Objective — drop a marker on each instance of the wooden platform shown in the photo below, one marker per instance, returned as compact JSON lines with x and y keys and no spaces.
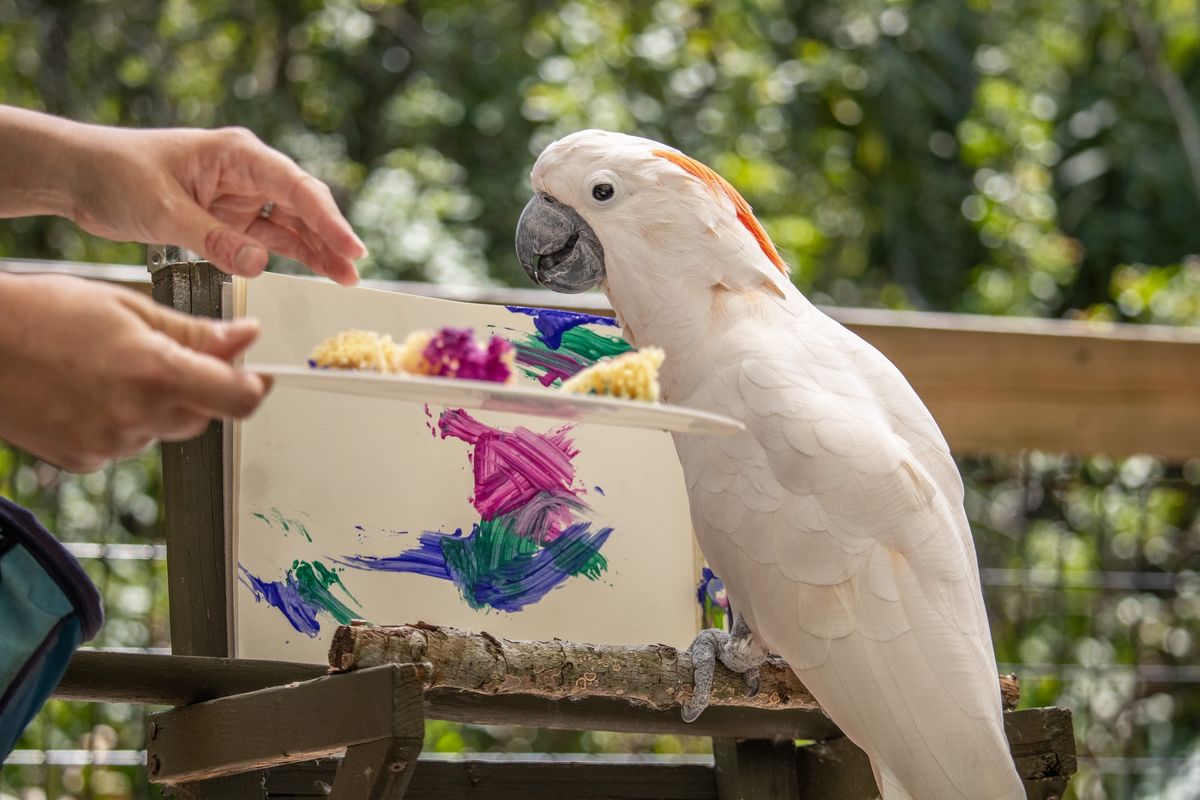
{"x":244,"y":728}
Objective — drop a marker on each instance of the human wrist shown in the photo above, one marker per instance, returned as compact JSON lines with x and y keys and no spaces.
{"x":38,"y":163}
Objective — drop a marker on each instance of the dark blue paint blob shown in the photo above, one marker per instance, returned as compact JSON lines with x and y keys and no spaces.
{"x":552,"y":323}
{"x":284,"y":595}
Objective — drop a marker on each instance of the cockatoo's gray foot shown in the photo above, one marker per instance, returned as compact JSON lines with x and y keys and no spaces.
{"x":739,"y":651}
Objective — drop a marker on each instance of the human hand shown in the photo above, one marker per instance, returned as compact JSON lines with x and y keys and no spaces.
{"x":204,"y":190}
{"x":90,"y":372}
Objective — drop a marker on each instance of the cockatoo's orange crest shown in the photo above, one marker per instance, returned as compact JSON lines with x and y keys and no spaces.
{"x":719,"y":185}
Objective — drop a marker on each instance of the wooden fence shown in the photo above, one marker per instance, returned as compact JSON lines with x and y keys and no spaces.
{"x":992,"y":383}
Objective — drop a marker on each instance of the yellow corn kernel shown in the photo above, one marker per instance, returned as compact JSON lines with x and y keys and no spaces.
{"x":354,"y":349}
{"x":632,"y":375}
{"x":410,"y":355}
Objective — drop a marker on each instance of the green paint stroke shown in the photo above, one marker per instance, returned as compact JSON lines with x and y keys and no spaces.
{"x":581,"y":558}
{"x":499,"y":567}
{"x":591,"y":345}
{"x":580,"y":348}
{"x":288,"y":524}
{"x":315,"y":583}
{"x":496,"y":543}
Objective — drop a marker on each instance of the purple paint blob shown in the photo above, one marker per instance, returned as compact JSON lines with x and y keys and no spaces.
{"x":552,"y":323}
{"x":552,"y":365}
{"x":546,"y":516}
{"x":452,"y":352}
{"x":512,"y":467}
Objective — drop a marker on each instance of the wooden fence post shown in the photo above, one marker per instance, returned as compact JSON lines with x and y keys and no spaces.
{"x":194,"y":481}
{"x":756,"y":769}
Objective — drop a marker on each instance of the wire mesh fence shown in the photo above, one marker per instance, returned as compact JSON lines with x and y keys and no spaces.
{"x":1090,"y":573}
{"x":1089,"y":576}
{"x":110,"y":520}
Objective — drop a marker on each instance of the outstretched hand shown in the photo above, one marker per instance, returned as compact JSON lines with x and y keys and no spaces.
{"x":93,"y":372}
{"x":209,"y":191}
{"x":220,"y":193}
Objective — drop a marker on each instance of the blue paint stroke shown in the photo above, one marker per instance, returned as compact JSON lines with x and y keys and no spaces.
{"x":424,"y":559}
{"x":485,"y":570}
{"x":305,"y":591}
{"x":552,"y":323}
{"x":285,"y":596}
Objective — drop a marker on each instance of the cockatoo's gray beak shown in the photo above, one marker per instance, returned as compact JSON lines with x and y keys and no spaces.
{"x":556,"y":248}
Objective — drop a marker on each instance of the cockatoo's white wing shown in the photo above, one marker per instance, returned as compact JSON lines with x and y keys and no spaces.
{"x":837,"y":524}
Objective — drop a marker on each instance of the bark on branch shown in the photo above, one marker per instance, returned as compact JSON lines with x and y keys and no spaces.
{"x":657,"y":676}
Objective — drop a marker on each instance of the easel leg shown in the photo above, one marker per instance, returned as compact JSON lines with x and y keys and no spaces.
{"x":378,"y":770}
{"x":756,"y":770}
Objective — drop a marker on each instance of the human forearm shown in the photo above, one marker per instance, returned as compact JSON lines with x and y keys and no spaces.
{"x":221,"y":193}
{"x":39,"y":155}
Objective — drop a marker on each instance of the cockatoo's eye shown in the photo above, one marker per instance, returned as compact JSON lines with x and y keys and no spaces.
{"x":603,"y":189}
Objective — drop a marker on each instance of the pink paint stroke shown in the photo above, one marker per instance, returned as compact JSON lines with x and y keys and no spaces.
{"x":513,"y":467}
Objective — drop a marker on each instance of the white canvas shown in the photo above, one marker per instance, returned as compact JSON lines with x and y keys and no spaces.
{"x":350,"y":482}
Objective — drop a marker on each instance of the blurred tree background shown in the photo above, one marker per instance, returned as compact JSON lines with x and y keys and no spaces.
{"x":1026,"y":157}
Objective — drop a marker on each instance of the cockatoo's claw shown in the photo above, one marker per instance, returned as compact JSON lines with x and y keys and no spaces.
{"x":739,"y":651}
{"x":752,"y":677}
{"x":692,"y":709}
{"x":703,"y":650}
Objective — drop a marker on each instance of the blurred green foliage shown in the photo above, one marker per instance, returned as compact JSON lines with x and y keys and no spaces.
{"x":991,"y":156}
{"x":1001,"y":156}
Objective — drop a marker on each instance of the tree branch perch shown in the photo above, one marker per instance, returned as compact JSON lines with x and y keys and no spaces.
{"x":655,"y":676}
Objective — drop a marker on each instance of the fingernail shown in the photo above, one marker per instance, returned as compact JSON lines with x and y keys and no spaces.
{"x":250,"y":259}
{"x":228,"y":329}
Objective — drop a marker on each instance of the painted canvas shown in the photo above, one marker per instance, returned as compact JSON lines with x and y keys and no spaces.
{"x":527,"y":527}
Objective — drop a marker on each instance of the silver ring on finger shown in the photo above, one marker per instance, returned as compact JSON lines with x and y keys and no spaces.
{"x":265,"y":211}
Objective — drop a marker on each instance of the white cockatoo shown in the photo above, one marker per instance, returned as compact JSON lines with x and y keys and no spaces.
{"x":836,"y":520}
